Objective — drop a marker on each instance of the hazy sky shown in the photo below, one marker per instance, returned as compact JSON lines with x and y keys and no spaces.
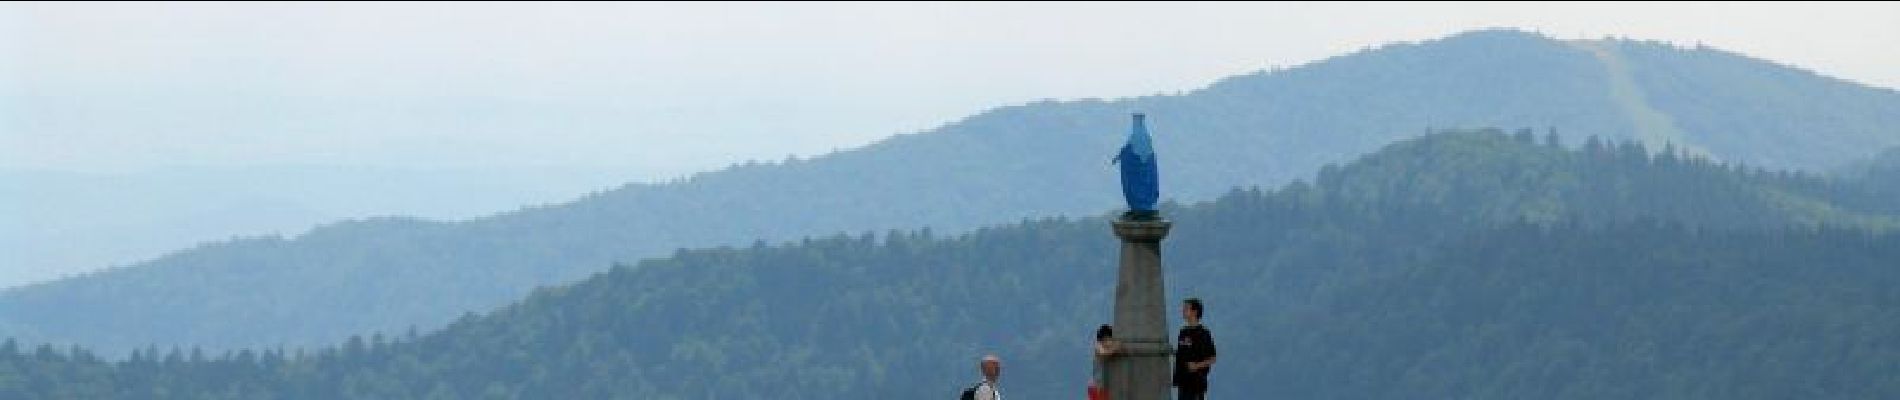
{"x":677,"y":87}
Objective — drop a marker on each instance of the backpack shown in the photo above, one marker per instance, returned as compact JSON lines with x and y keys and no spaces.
{"x":969,"y":393}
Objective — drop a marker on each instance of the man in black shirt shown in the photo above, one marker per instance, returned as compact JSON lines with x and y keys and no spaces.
{"x":1193,"y":353}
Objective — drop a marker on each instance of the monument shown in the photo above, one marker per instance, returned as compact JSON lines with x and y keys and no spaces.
{"x":1142,"y":371}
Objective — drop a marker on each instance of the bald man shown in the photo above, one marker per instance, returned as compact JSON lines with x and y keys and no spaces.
{"x":992,"y":367}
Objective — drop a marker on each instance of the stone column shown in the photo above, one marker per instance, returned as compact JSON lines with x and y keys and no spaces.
{"x":1144,"y":369}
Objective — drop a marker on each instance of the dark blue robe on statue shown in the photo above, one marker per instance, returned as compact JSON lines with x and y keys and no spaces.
{"x":1141,"y":182}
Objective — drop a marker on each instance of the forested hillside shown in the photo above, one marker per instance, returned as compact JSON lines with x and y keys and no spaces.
{"x":1003,"y":165}
{"x":1459,"y":265}
{"x":1877,"y":181}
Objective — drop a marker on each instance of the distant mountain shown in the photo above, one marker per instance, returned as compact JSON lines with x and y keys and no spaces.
{"x":1880,"y":178}
{"x":62,"y":223}
{"x":1462,"y":265}
{"x":1008,"y":164}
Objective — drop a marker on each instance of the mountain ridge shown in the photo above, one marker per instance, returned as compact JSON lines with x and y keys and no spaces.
{"x":1003,"y":165}
{"x":1364,"y":283}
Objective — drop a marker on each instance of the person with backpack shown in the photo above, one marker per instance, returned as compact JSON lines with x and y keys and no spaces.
{"x":992,"y":368}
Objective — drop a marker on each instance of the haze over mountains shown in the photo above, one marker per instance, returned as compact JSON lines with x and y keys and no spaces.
{"x":1024,"y":161}
{"x":1457,"y":265}
{"x":64,"y":223}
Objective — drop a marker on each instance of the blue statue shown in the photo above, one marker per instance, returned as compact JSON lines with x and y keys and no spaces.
{"x":1141,"y":181}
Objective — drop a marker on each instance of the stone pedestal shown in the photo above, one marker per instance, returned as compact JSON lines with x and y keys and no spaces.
{"x":1144,"y":369}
